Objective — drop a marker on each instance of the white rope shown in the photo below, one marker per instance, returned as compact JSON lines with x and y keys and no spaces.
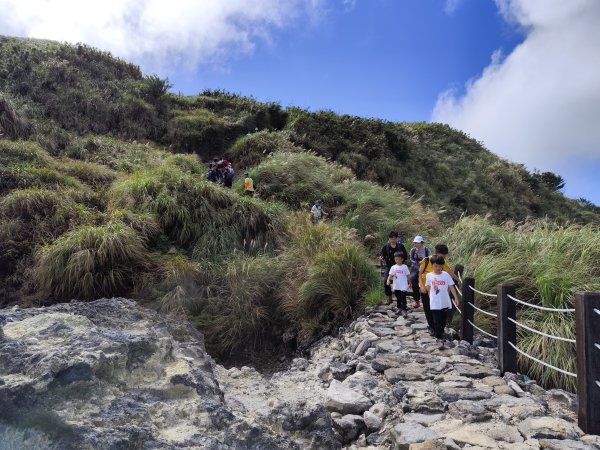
{"x":542,"y":362}
{"x":484,"y":332}
{"x":597,"y":346}
{"x":482,"y":311}
{"x":483,"y":293}
{"x":459,"y":292}
{"x":542,"y":333}
{"x":598,"y":383}
{"x":459,"y":311}
{"x":459,"y":278}
{"x":543,"y":308}
{"x":597,"y":311}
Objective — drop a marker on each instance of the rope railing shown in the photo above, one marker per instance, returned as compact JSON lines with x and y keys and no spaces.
{"x":483,"y":293}
{"x":459,"y":292}
{"x":456,"y":306}
{"x":571,"y":374}
{"x":586,"y":327}
{"x":483,"y":331}
{"x":533,"y":330}
{"x":483,"y":312}
{"x":542,"y":308}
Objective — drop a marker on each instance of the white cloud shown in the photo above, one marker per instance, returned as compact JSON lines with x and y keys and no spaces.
{"x":540,"y":104}
{"x":451,"y":6}
{"x":151,"y":32}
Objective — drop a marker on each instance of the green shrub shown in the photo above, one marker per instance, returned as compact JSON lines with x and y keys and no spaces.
{"x":252,"y":149}
{"x":93,"y":174}
{"x":242,"y":313}
{"x":298,"y":179}
{"x":91,"y":262}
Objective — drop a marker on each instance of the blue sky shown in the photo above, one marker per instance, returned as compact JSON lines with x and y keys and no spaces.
{"x":521,"y":76}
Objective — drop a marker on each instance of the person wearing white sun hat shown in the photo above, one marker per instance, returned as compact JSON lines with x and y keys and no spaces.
{"x":417,"y":253}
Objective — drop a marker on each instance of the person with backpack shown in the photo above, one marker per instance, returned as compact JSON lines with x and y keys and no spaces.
{"x":228,"y":176}
{"x":417,"y":253}
{"x":317,"y":212}
{"x":386,"y":257}
{"x":212,"y":173}
{"x":426,"y":267}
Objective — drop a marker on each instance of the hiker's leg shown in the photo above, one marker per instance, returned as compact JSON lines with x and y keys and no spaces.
{"x":427,"y":310}
{"x":387,"y":289}
{"x":402,"y":301}
{"x":414,"y":281}
{"x":439,"y":318}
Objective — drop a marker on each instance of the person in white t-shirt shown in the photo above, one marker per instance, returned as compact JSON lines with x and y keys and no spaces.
{"x":398,"y":279}
{"x":438,"y":284}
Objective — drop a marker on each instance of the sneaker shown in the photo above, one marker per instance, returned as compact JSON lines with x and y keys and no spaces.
{"x":405,"y":313}
{"x":441,"y":345}
{"x":430,"y":331}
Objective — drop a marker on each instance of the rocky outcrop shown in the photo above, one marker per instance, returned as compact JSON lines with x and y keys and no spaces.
{"x":111,"y":375}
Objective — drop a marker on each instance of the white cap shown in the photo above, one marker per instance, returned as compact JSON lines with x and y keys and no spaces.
{"x":418,"y":239}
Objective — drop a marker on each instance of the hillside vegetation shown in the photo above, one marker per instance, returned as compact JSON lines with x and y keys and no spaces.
{"x":103,"y":192}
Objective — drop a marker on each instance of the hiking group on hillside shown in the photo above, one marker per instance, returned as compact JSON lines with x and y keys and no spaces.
{"x":431,"y":279}
{"x":221,"y":171}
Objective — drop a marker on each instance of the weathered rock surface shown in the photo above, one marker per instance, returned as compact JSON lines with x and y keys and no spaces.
{"x":111,"y":375}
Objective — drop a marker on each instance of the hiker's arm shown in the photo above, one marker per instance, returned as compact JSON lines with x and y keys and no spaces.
{"x":453,"y":291}
{"x":421,"y":285}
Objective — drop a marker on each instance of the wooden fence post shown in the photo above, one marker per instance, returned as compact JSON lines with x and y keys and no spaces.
{"x":468,"y":296}
{"x":507,"y":330}
{"x":587,"y":322}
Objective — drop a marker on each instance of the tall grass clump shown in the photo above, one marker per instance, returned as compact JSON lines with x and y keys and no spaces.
{"x":92,"y":174}
{"x":198,"y":215}
{"x":91,"y":262}
{"x":252,"y":149}
{"x":11,"y":124}
{"x":242,"y":310}
{"x":299,"y":178}
{"x":548,"y":264}
{"x":375,"y":210}
{"x":326,"y":276}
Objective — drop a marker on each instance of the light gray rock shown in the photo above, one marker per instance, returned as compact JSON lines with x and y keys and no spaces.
{"x":381,"y":410}
{"x":109,"y":373}
{"x":349,"y":427}
{"x":405,"y":434}
{"x":564,"y":444}
{"x":469,"y":411}
{"x":386,"y":361}
{"x":383,"y":331}
{"x":429,"y":445}
{"x":473,"y":370}
{"x":449,"y":394}
{"x":389,"y":346}
{"x":372,"y":422}
{"x":340,"y":371}
{"x":362,"y":382}
{"x":299,"y":364}
{"x":363,"y":346}
{"x":424,"y":419}
{"x":410,"y":372}
{"x":344,"y":400}
{"x":547,"y":428}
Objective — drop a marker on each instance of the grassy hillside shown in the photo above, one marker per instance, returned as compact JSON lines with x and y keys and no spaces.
{"x":103,"y":192}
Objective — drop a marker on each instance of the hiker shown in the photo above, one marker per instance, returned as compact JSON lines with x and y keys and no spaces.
{"x":425,"y":267}
{"x":387,"y":257}
{"x":248,"y":185}
{"x":317,"y":212}
{"x":228,"y":175}
{"x":417,"y":253}
{"x":438,"y":284}
{"x":398,"y":278}
{"x":212,"y":173}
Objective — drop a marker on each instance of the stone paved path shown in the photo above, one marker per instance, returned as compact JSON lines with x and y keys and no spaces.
{"x":386,"y":385}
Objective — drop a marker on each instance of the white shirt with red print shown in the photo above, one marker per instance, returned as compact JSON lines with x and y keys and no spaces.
{"x":400,"y":273}
{"x":439,"y":297}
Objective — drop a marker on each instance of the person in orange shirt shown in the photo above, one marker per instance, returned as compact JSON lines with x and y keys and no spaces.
{"x":248,"y":185}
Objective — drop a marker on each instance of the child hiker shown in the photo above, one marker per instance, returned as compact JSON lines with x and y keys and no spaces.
{"x":438,"y":283}
{"x":398,"y":278}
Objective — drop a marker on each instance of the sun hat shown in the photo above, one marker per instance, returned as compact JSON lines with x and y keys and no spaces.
{"x":418,"y":239}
